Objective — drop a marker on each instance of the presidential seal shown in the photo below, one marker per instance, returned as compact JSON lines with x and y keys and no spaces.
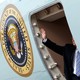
{"x":15,"y":41}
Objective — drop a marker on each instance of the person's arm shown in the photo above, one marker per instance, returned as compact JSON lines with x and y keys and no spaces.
{"x":53,"y":46}
{"x":50,"y":44}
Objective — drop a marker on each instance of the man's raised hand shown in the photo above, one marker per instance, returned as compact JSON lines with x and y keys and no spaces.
{"x":43,"y":33}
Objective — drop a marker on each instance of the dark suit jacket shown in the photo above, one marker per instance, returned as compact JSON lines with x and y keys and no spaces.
{"x":67,"y":52}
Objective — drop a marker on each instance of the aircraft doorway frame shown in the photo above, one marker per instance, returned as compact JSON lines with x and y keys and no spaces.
{"x":51,"y":65}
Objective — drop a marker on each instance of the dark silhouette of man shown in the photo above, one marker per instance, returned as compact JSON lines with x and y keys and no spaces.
{"x":70,"y":56}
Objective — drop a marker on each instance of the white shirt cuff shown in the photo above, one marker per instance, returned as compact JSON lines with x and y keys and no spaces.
{"x":44,"y":40}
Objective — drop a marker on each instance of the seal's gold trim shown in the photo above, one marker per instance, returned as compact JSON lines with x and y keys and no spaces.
{"x":27,"y":69}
